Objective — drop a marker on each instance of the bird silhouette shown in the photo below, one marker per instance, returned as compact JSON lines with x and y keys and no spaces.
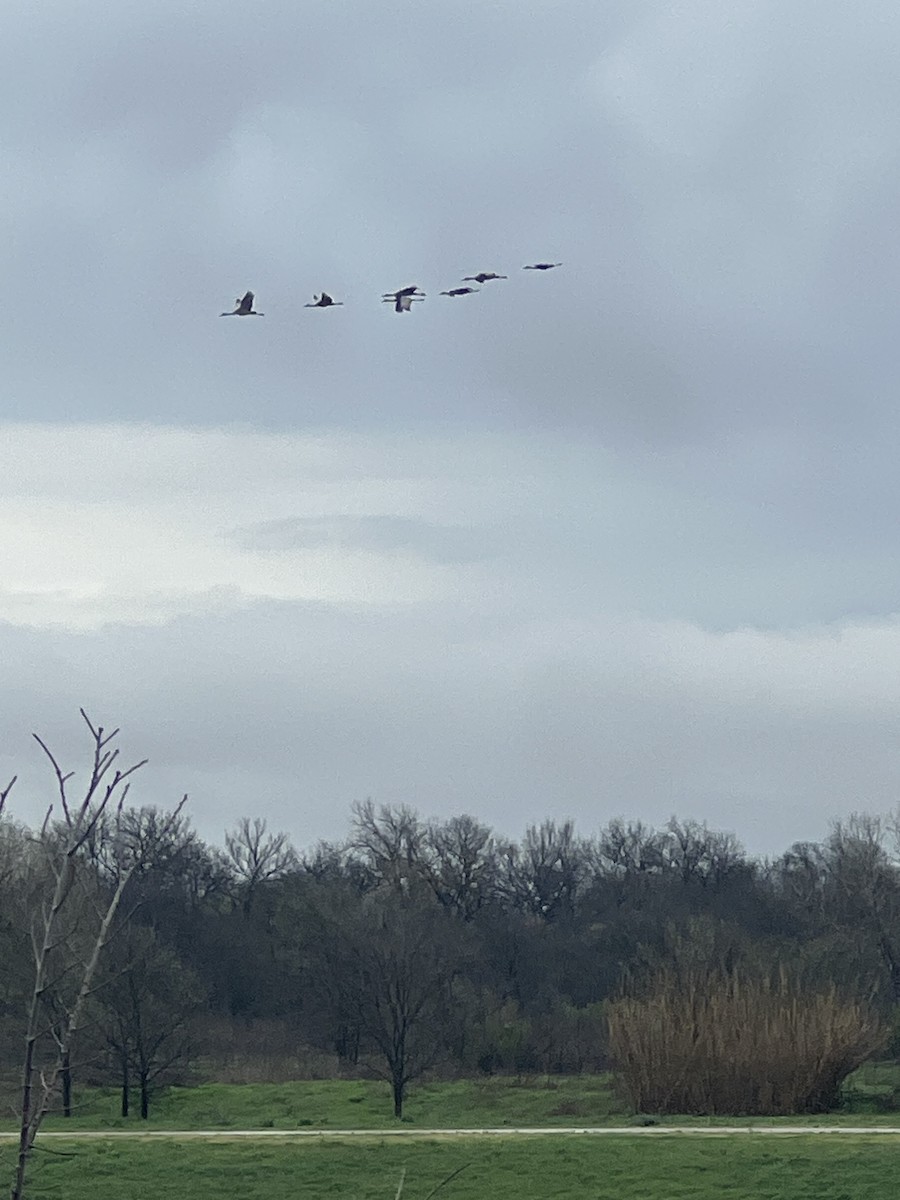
{"x":402,"y":301}
{"x":324,"y":301}
{"x":411,"y":289}
{"x":243,"y":308}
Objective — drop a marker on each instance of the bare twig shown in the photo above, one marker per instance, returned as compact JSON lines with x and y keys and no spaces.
{"x":5,"y":792}
{"x":61,"y":779}
{"x":452,"y":1175}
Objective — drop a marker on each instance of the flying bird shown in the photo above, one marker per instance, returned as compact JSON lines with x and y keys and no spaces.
{"x":324,"y":301}
{"x":412,"y":289}
{"x":483,"y":277}
{"x":541,"y":266}
{"x":460,"y":291}
{"x":403,"y":297}
{"x":243,"y":308}
{"x":402,"y":301}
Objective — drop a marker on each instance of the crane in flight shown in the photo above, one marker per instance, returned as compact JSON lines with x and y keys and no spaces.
{"x":324,"y":301}
{"x":411,"y":289}
{"x":483,"y":277}
{"x":243,"y":308}
{"x":461,"y":291}
{"x":541,"y":266}
{"x":403,"y":297}
{"x":402,"y":301}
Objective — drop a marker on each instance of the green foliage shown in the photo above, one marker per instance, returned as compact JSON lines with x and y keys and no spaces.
{"x":702,"y":1168}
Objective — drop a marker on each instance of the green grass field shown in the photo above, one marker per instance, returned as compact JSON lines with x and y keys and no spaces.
{"x":493,"y":1102}
{"x":757,"y":1165}
{"x":663,"y":1168}
{"x":346,"y":1104}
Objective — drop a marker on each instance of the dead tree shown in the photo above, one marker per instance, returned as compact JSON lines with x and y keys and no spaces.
{"x":59,"y":968}
{"x":256,"y":857}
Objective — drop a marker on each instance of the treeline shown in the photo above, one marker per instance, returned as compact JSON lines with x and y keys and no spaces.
{"x":421,"y":946}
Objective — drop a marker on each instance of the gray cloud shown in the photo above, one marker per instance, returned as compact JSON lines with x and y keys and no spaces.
{"x":621,"y":537}
{"x":381,"y":534}
{"x":452,"y":709}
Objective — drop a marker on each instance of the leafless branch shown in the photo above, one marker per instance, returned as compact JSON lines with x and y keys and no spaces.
{"x":51,"y":933}
{"x":452,"y":1175}
{"x":5,"y":793}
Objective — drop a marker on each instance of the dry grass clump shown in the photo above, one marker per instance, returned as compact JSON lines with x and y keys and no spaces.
{"x":718,"y":1042}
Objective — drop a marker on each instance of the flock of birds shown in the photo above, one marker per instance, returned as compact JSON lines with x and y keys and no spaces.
{"x":402,"y":300}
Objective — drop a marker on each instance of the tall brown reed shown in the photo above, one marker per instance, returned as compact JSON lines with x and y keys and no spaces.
{"x":718,"y":1042}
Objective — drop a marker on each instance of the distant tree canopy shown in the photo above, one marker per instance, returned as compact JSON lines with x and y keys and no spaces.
{"x":440,"y":945}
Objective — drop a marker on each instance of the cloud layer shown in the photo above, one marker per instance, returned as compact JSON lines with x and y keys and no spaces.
{"x":617,"y":538}
{"x":512,"y":666}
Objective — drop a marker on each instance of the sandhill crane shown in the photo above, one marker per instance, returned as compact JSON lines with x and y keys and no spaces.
{"x":483,"y":277}
{"x":541,"y":266}
{"x":324,"y":301}
{"x":412,"y":289}
{"x":402,"y":301}
{"x":460,"y":291}
{"x":243,"y":308}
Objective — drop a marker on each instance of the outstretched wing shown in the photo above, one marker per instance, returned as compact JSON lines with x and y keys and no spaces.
{"x":246,"y":304}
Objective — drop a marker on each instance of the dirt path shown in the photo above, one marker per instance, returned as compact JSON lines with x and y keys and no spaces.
{"x":553,"y":1131}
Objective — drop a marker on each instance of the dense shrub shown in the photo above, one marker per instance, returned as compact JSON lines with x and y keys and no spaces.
{"x":718,"y":1041}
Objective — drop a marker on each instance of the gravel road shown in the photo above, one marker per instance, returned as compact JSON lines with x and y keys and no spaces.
{"x":505,"y":1132}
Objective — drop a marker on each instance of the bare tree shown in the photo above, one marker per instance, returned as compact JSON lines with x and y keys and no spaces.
{"x":148,"y":1001}
{"x":699,"y":855}
{"x":389,"y":840}
{"x":544,"y":874}
{"x":257,"y":856}
{"x":462,"y":866}
{"x":54,"y":930}
{"x":864,"y":879}
{"x":386,"y":966}
{"x":624,"y":851}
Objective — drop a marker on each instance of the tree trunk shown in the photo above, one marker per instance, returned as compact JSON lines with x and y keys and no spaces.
{"x":346,"y":1042}
{"x":66,"y":1075}
{"x":145,"y":1096}
{"x":126,"y":1086}
{"x":398,"y":1084}
{"x":18,"y":1187}
{"x":892,"y":964}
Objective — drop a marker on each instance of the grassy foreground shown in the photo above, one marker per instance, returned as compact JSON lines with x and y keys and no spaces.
{"x":583,"y":1100}
{"x":359,"y":1104}
{"x":741,"y":1168}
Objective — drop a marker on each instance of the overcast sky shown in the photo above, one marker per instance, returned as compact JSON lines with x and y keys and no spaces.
{"x":619,"y":538}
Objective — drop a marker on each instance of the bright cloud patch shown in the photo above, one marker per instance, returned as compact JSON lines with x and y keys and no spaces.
{"x":109,"y":524}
